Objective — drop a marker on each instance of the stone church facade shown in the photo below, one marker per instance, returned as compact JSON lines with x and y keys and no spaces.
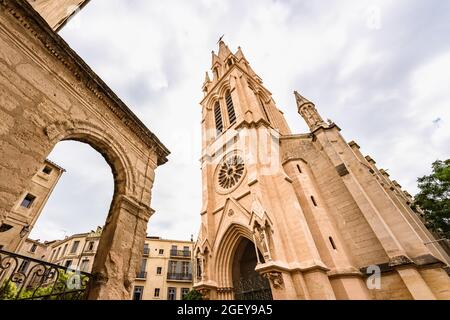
{"x":300,"y":216}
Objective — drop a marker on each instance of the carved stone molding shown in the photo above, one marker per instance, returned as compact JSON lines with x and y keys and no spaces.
{"x":275,"y":278}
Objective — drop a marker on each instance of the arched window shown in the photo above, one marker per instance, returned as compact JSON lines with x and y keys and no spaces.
{"x":230,"y":108}
{"x":218,"y":118}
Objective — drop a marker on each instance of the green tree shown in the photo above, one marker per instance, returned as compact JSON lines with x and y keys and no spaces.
{"x":193,"y":295}
{"x":434,"y":198}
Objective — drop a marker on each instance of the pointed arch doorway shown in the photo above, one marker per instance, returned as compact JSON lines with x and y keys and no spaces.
{"x":247,"y":283}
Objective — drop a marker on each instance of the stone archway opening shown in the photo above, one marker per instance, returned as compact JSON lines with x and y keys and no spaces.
{"x":82,"y":197}
{"x":247,"y":283}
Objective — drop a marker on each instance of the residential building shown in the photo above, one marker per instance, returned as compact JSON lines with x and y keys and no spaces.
{"x":77,"y":251}
{"x":165,"y":271}
{"x":16,"y":227}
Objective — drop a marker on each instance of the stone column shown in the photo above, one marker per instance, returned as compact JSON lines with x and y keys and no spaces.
{"x":119,"y":250}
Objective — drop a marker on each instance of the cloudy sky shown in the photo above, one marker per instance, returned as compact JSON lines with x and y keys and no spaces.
{"x":379,"y":69}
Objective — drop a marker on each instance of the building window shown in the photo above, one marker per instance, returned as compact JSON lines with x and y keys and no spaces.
{"x":137,"y":293}
{"x":28,"y":201}
{"x":68,"y":263}
{"x":75,"y":247}
{"x":172,"y":293}
{"x":172,"y":267}
{"x":299,"y":169}
{"x":157,"y":291}
{"x":314,"y":201}
{"x":57,"y":253}
{"x":185,"y":268}
{"x":64,"y":250}
{"x":199,"y":269}
{"x":218,"y":118}
{"x":53,"y":255}
{"x":47,"y":170}
{"x":146,"y":249}
{"x":24,"y":266}
{"x":184,"y":292}
{"x":91,"y":246}
{"x":332,"y":243}
{"x":84,"y":266}
{"x":161,"y":251}
{"x":33,"y":248}
{"x":230,"y":108}
{"x":216,"y":72}
{"x":158,"y":270}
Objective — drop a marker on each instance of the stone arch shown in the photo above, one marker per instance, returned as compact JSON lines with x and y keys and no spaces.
{"x":226,"y":250}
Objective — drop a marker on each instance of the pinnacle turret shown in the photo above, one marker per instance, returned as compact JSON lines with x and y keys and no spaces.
{"x":309,"y":112}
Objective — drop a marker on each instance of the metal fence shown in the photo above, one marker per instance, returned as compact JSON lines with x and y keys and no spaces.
{"x":25,"y":278}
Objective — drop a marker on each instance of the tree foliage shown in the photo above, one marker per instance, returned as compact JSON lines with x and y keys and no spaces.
{"x":9,"y":290}
{"x":434,"y":198}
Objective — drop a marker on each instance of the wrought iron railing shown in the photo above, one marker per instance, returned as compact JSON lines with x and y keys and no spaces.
{"x":179,"y":276}
{"x":25,"y":278}
{"x":180,"y":253}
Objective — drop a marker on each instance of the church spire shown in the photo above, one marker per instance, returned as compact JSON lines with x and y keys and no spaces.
{"x":308,"y":111}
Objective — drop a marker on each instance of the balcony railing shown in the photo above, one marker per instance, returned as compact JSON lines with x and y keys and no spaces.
{"x":24,"y":278}
{"x":141,"y":275}
{"x":180,"y":253}
{"x":179,"y":276}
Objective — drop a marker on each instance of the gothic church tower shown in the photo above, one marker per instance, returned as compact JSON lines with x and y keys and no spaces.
{"x":300,"y":216}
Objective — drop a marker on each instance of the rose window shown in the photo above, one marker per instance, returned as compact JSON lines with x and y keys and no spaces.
{"x":231,"y":172}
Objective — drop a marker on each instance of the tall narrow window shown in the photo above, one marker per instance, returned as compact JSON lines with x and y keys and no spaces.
{"x":218,"y":118}
{"x":137,"y":293}
{"x":314,"y":201}
{"x":299,"y":169}
{"x":230,"y":108}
